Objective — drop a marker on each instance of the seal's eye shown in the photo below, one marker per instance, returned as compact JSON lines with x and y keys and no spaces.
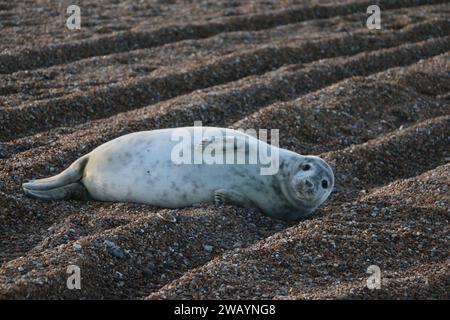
{"x":324,"y":184}
{"x":306,"y":167}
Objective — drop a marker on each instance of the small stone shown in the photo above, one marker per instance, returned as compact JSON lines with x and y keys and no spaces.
{"x":110,"y":244}
{"x":148,"y":272}
{"x":114,"y":249}
{"x":77,"y":247}
{"x":117,"y":253}
{"x":96,"y":243}
{"x":208,"y":248}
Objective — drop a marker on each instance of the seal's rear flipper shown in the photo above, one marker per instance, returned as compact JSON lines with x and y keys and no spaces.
{"x":62,"y":186}
{"x":74,"y":190}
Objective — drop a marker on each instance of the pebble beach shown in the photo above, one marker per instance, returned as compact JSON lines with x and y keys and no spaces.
{"x":375,"y":104}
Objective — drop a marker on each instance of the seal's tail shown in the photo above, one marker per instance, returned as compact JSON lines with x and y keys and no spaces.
{"x":62,"y":186}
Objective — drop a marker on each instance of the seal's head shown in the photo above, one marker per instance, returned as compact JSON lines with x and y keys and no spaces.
{"x":310,"y":182}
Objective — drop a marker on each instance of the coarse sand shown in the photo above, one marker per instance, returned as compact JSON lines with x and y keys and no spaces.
{"x":374,"y":103}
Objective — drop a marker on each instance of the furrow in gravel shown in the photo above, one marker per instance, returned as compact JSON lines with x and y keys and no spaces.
{"x":148,"y":262}
{"x":60,"y":80}
{"x":365,"y":107}
{"x":37,"y":163}
{"x":168,"y":261}
{"x":373,"y":103}
{"x":99,"y":103}
{"x":316,"y":258}
{"x":33,"y":58}
{"x":385,"y":106}
{"x":384,"y":159}
{"x":423,"y":81}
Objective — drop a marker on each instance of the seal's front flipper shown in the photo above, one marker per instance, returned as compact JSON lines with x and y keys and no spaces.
{"x":226,"y":143}
{"x":225,"y":196}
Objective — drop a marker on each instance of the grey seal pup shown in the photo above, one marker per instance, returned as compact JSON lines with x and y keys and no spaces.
{"x":155,"y":167}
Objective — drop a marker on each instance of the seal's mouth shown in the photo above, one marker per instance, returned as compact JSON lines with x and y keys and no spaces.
{"x":305,"y":189}
{"x":306,"y":194}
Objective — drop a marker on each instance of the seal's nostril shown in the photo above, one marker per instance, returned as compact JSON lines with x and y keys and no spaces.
{"x":309,"y":184}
